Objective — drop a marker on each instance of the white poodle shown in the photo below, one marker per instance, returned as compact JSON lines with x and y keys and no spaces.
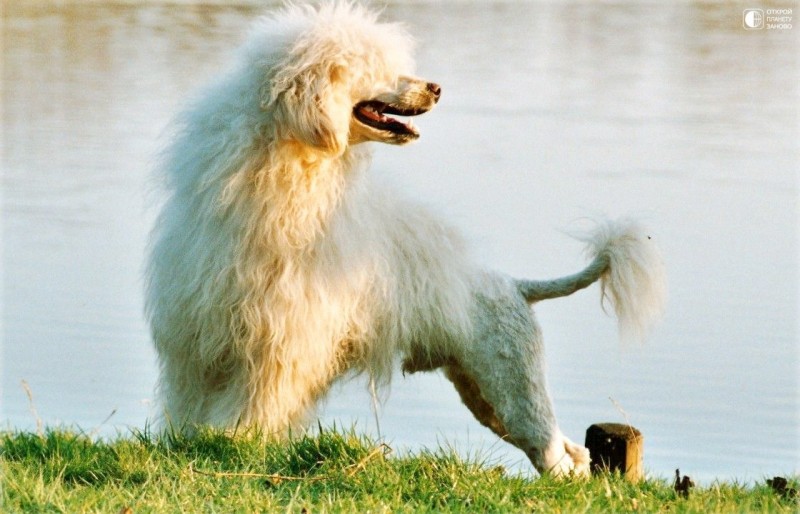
{"x":277,"y":265}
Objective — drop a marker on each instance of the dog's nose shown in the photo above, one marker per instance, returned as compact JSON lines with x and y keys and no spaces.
{"x":434,"y":88}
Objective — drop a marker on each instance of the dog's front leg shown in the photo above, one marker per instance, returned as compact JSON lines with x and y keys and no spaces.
{"x":526,"y":410}
{"x":470,"y":394}
{"x":500,"y":377}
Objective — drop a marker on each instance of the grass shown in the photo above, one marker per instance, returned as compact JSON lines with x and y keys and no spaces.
{"x":334,"y":471}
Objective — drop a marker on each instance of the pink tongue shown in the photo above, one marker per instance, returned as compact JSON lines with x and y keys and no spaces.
{"x":369,"y":113}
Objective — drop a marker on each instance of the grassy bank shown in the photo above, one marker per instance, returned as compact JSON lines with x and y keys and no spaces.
{"x":332,"y":472}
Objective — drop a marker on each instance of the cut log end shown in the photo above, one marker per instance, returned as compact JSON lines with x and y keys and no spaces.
{"x":616,"y":447}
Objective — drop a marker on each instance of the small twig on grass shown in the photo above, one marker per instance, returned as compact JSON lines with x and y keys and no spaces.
{"x":269,"y":476}
{"x":682,"y":485}
{"x":373,"y":392}
{"x":100,"y":426}
{"x":29,"y":393}
{"x":781,"y":486}
{"x":383,"y":449}
{"x":619,"y":408}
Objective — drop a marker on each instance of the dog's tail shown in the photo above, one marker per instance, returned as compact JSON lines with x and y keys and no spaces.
{"x":631,"y":274}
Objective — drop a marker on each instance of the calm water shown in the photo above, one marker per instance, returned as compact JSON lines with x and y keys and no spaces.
{"x":549,"y":113}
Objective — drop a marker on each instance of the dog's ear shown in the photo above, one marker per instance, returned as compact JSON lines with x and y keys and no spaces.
{"x":308,"y":105}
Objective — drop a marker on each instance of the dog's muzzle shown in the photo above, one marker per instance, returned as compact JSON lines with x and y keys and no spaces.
{"x":375,"y":113}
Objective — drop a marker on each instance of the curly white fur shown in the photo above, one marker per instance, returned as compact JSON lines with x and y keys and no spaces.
{"x":277,"y":265}
{"x":630,"y":271}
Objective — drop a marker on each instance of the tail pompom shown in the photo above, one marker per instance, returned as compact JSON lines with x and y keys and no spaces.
{"x":635,"y":281}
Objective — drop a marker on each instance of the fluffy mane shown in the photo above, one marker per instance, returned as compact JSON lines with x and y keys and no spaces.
{"x":271,"y":241}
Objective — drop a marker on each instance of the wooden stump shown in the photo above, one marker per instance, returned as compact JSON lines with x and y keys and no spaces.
{"x":616,"y":447}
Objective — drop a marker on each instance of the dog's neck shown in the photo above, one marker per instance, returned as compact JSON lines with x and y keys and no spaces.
{"x":299,"y":191}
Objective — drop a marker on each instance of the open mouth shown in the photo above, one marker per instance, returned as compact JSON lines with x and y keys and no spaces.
{"x":373,"y":113}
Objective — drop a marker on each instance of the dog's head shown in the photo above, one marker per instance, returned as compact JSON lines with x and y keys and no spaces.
{"x":343,"y":79}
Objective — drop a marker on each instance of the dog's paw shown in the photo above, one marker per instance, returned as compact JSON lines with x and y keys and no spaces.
{"x":563,"y":458}
{"x":580,"y":457}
